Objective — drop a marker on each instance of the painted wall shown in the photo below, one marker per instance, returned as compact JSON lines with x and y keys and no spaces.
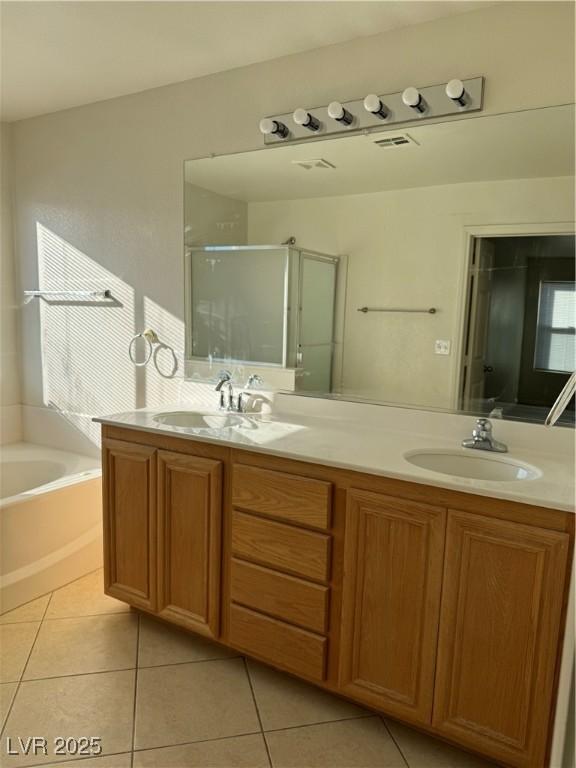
{"x":407,"y":248}
{"x":10,"y":428}
{"x":106,"y":179}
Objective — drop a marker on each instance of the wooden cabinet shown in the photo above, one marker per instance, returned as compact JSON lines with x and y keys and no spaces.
{"x":391,"y":602}
{"x":189,"y":540}
{"x":129,"y":490}
{"x":370,"y":587}
{"x":500,"y":622}
{"x":162,"y":532}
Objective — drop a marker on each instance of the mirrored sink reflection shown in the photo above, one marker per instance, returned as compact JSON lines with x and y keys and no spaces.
{"x":195,"y":420}
{"x":472,"y":465}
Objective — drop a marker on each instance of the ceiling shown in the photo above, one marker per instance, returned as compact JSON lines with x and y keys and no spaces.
{"x":519,"y":145}
{"x":57,"y":55}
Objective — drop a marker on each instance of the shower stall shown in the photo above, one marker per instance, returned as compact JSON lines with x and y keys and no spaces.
{"x":267,"y":305}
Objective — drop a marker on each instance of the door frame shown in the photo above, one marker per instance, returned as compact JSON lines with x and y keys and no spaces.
{"x":470,"y":234}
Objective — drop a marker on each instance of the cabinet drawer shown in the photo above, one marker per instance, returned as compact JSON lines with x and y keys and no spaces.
{"x":303,"y":553}
{"x":287,"y":497}
{"x":286,"y":597}
{"x":287,"y":647}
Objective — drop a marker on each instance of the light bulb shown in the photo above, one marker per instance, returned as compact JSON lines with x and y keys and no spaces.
{"x":271,"y":127}
{"x":455,"y":90}
{"x":374,"y":105}
{"x":337,"y":112}
{"x":412,"y":98}
{"x":306,"y":120}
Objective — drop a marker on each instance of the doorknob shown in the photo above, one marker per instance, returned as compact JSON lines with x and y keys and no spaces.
{"x":488,"y":369}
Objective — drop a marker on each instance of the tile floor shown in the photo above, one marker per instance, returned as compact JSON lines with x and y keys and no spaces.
{"x":78,"y":663}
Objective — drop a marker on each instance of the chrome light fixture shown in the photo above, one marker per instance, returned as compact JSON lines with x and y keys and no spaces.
{"x":271,"y":127}
{"x":413,"y":98}
{"x":373,"y":104}
{"x":339,"y":113}
{"x":306,"y":120}
{"x":456,"y":92}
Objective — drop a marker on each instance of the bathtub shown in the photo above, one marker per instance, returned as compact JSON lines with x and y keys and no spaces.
{"x":50,"y":520}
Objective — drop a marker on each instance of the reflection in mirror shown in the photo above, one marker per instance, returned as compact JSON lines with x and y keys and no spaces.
{"x":473,"y":218}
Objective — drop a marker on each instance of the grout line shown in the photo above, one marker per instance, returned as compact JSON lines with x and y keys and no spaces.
{"x":119,"y":669}
{"x":321,"y":722}
{"x":19,"y":682}
{"x":87,"y":615}
{"x":198,"y":741}
{"x":257,"y":711}
{"x":135,"y":692}
{"x":394,"y":740}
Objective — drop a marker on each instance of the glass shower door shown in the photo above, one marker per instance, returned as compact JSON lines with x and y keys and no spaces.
{"x":238,"y":304}
{"x":317,"y":303}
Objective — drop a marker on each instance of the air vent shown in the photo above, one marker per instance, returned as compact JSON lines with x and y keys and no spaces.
{"x":399,"y":140}
{"x":313,"y":165}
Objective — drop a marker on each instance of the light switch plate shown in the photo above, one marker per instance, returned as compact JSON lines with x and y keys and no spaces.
{"x":441,"y":347}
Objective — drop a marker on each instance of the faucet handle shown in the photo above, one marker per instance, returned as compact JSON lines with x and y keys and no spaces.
{"x":254,"y":379}
{"x":483,"y":429}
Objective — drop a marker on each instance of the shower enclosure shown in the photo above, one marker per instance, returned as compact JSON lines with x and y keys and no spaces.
{"x":270,"y":305}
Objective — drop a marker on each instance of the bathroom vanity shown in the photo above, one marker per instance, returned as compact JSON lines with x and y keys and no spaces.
{"x":437,"y":606}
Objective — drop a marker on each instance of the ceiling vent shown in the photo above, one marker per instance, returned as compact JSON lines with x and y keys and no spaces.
{"x":399,"y":140}
{"x":313,"y":165}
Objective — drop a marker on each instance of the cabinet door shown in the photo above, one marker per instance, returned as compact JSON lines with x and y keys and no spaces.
{"x":391,"y":601}
{"x":129,"y":482}
{"x":500,"y":622}
{"x":189,"y":541}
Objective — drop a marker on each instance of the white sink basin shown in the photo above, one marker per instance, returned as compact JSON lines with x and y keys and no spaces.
{"x":195,"y":420}
{"x":473,"y":465}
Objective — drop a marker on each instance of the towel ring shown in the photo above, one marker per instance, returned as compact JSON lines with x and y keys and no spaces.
{"x":151,"y":339}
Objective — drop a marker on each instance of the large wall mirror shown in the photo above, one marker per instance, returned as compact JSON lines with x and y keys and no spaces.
{"x":429,"y":266}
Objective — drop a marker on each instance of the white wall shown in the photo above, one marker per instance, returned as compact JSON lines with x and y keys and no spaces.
{"x":407,"y":248}
{"x":107,"y":178}
{"x":213,"y":218}
{"x":10,"y":428}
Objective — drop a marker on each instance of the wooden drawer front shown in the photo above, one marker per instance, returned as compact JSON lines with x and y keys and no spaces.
{"x":282,"y":546}
{"x":287,"y":647}
{"x":286,"y":597}
{"x":287,"y":497}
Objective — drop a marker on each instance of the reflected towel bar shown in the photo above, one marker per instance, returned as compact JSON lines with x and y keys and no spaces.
{"x":70,"y":295}
{"x":430,"y":311}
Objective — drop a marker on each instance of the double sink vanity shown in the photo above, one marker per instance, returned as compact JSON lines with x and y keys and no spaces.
{"x":359,"y":548}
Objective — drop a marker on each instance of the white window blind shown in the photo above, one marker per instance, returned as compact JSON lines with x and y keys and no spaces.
{"x":555,"y":331}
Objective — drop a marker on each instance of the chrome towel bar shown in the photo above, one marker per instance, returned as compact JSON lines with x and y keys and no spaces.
{"x":68,"y":295}
{"x":429,"y":311}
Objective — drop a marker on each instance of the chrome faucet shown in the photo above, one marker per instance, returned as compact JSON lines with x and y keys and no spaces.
{"x":225,"y":379}
{"x":482,"y":439}
{"x":253,"y":379}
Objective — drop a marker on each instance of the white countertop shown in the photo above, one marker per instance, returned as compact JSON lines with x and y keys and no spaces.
{"x":374,"y":439}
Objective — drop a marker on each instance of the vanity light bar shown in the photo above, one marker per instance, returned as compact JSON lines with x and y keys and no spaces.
{"x":375,"y":111}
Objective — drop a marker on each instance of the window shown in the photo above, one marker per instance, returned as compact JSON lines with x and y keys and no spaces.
{"x":555,"y":330}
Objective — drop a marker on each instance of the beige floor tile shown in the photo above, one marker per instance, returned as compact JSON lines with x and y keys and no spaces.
{"x":87,"y":644}
{"x":32,"y":611}
{"x":16,"y":640}
{"x":111,"y":761}
{"x":162,"y":644}
{"x":361,"y":743}
{"x":285,"y":702}
{"x":7,"y":691}
{"x":423,"y":751}
{"x":83,"y":597}
{"x":193,"y":702}
{"x":238,"y":752}
{"x":86,"y":705}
